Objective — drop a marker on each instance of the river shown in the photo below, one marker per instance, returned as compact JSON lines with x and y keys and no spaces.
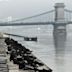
{"x":57,"y":56}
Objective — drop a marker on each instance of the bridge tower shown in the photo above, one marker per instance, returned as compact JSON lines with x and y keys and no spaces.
{"x":59,"y":18}
{"x":59,"y":26}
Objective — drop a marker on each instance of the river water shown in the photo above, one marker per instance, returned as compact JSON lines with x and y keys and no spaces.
{"x":56,"y":53}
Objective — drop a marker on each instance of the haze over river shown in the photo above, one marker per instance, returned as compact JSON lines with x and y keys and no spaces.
{"x":57,"y":56}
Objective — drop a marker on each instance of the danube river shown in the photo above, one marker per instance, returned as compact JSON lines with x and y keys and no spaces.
{"x":55,"y":53}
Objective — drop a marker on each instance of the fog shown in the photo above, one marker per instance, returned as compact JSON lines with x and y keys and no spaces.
{"x":24,"y":8}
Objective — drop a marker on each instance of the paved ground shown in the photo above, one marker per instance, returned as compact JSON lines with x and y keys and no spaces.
{"x":5,"y":64}
{"x":3,"y":60}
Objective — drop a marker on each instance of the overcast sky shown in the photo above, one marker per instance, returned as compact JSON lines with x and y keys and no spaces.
{"x":24,"y":8}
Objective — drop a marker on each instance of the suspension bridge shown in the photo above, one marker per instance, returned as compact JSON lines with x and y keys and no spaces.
{"x":59,"y":15}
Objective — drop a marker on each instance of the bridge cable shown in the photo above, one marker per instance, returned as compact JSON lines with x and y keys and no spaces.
{"x":33,"y":16}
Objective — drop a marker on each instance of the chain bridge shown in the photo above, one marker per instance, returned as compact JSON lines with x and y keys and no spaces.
{"x":59,"y":18}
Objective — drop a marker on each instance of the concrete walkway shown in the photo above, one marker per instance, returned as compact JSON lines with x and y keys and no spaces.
{"x":3,"y":58}
{"x":5,"y":64}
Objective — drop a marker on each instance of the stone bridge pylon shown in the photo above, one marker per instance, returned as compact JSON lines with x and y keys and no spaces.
{"x":59,"y":25}
{"x":59,"y":31}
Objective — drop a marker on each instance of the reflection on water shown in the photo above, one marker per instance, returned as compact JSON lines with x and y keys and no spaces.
{"x":59,"y":42}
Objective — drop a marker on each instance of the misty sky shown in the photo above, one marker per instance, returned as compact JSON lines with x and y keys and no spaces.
{"x":24,"y":8}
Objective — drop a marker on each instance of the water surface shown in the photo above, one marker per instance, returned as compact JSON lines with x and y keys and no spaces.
{"x":54,"y":52}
